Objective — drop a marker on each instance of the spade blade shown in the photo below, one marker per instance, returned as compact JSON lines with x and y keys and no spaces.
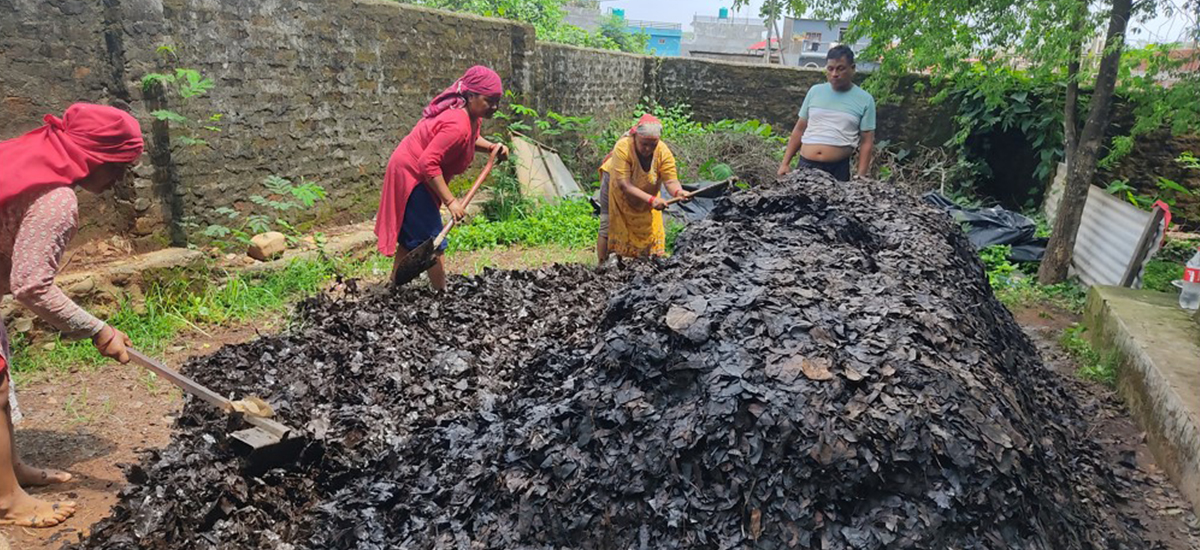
{"x":414,"y":264}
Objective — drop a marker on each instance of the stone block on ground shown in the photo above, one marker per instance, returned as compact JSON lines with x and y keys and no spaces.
{"x":266,"y":246}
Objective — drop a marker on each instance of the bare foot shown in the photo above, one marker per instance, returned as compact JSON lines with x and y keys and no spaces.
{"x":25,"y":511}
{"x":28,"y":476}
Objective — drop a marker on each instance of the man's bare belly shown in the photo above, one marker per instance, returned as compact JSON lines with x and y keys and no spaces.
{"x":825,"y":153}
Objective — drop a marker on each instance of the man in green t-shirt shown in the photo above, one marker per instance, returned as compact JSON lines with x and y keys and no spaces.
{"x":836,"y":118}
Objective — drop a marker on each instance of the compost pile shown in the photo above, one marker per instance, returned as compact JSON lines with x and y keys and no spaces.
{"x":820,"y":365}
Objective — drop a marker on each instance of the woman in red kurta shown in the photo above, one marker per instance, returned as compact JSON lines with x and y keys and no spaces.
{"x":91,"y":147}
{"x":441,"y":146}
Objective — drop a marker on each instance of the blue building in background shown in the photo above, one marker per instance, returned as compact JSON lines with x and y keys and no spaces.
{"x":666,"y":39}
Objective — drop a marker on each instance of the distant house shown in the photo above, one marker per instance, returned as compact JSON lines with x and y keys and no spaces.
{"x":666,"y":39}
{"x":806,"y":42}
{"x":1189,"y":62}
{"x":723,"y":37}
{"x":759,"y":50}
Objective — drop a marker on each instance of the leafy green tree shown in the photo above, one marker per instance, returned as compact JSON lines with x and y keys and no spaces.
{"x":546,"y":17}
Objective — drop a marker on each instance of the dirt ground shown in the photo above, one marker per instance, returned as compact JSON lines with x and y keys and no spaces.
{"x":91,"y":421}
{"x":1150,"y":497}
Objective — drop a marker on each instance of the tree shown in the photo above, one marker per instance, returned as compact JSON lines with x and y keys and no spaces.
{"x":771,"y":11}
{"x":546,"y":17}
{"x":1086,"y":151}
{"x":1045,"y":38}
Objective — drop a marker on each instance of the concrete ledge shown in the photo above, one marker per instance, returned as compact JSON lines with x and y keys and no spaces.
{"x":1158,"y":376}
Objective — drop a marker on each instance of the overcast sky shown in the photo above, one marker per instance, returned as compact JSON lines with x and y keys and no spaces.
{"x":1161,"y":29}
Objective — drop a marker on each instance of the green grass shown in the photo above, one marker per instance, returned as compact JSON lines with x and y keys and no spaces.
{"x":1016,"y":286}
{"x":1160,"y":273}
{"x":567,"y":223}
{"x":475,"y":261}
{"x":186,"y":299}
{"x":1093,"y":365}
{"x":674,"y":228}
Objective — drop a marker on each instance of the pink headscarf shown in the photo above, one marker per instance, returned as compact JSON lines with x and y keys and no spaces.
{"x":478,"y":80}
{"x":646,"y":119}
{"x":67,"y":149}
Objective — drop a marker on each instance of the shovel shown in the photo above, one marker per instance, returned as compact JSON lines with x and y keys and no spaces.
{"x":266,"y":442}
{"x":421,"y":258}
{"x":698,"y":192}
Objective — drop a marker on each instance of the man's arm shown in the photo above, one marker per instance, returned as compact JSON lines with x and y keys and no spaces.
{"x":793,"y":145}
{"x":866,"y":149}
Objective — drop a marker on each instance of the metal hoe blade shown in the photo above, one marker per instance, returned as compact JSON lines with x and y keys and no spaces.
{"x":414,"y":264}
{"x":266,"y":441}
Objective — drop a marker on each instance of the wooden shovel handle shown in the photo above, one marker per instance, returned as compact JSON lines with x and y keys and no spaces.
{"x":487,"y":170}
{"x":183,"y":382}
{"x":698,"y":191}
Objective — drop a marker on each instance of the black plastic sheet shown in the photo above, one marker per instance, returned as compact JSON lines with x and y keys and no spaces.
{"x":996,"y":226}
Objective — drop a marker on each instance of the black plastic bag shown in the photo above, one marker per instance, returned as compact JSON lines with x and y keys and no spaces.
{"x":995,"y":226}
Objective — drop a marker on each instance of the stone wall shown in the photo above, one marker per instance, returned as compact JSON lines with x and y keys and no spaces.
{"x":54,"y":53}
{"x":579,"y":81}
{"x":1153,"y":156}
{"x":323,"y":90}
{"x":721,"y":89}
{"x":317,"y":90}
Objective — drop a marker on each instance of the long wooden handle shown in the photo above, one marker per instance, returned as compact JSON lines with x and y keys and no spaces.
{"x":183,"y":382}
{"x":487,"y":170}
{"x":698,"y":191}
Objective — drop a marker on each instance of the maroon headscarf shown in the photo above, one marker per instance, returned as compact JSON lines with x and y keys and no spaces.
{"x":478,"y":80}
{"x":67,"y":149}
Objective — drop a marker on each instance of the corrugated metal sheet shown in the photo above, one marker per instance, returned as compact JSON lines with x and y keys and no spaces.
{"x":1108,"y":235}
{"x":542,"y":173}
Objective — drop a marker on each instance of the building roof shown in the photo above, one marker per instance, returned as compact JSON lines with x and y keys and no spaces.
{"x":762,"y":44}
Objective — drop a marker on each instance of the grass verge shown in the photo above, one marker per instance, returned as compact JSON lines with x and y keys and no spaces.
{"x":190,"y":299}
{"x":1093,"y":365}
{"x":567,"y":224}
{"x":1016,"y":287}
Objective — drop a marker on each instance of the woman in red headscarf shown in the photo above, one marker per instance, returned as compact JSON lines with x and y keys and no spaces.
{"x":631,"y":179}
{"x":441,"y":146}
{"x":91,"y":147}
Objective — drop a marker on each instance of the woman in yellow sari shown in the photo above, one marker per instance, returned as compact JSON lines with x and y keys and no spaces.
{"x":631,"y":180}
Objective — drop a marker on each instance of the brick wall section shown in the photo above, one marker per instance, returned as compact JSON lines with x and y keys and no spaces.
{"x":715,"y":88}
{"x":54,"y":53}
{"x":575,"y":81}
{"x":325,"y":89}
{"x":723,"y":89}
{"x":1153,"y":156}
{"x":315,"y":89}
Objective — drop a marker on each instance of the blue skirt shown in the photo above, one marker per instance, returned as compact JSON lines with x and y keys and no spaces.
{"x":422,"y":220}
